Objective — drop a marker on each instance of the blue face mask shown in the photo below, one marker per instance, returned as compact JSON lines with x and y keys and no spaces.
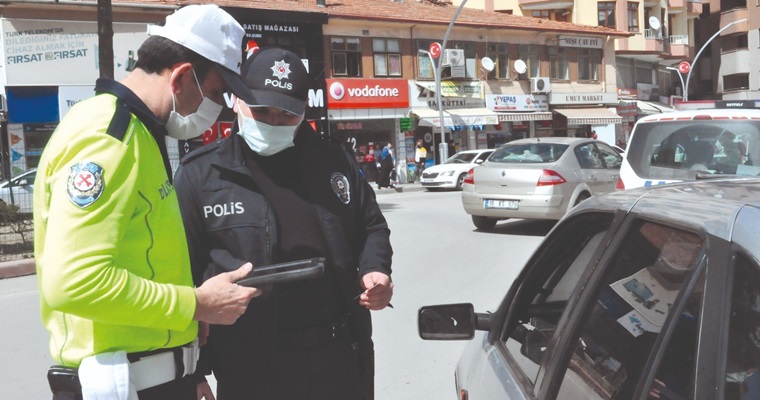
{"x":266,"y":139}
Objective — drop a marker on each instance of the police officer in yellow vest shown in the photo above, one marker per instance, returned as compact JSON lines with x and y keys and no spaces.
{"x":116,"y":289}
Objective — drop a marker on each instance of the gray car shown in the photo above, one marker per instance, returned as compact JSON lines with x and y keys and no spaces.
{"x":19,"y":191}
{"x":540,"y":178}
{"x":637,"y":294}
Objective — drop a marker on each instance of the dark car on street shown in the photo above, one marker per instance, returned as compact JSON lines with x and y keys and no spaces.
{"x":637,"y":294}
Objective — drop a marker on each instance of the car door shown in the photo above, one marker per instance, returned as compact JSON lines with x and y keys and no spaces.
{"x":508,"y":362}
{"x":612,"y":161}
{"x":593,"y":171}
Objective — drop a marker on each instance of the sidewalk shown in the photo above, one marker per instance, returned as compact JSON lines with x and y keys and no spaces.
{"x":400,"y":188}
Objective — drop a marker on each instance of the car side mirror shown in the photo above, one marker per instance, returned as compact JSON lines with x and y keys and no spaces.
{"x":451,"y":322}
{"x":479,"y":161}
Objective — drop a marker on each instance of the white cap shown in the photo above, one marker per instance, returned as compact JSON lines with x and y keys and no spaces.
{"x":212,"y":33}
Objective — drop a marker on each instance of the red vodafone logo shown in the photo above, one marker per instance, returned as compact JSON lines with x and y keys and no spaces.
{"x":337,"y":91}
{"x":435,"y":49}
{"x":684,"y":67}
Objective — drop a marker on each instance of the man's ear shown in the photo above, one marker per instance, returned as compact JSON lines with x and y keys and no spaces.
{"x":179,"y":73}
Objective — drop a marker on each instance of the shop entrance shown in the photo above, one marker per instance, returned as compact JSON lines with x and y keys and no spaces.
{"x":364,"y":139}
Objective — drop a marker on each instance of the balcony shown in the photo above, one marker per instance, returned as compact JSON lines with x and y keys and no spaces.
{"x":693,"y":7}
{"x":733,"y":15}
{"x":679,"y":47}
{"x":735,"y":62}
{"x":545,"y":4}
{"x":653,"y":41}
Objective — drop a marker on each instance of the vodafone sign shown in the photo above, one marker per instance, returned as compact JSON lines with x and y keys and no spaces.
{"x":367,"y":93}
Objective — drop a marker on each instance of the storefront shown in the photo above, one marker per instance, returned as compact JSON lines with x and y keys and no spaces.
{"x":49,"y":67}
{"x":585,"y":115}
{"x":466,"y":119}
{"x":365,"y":115}
{"x":520,"y":116}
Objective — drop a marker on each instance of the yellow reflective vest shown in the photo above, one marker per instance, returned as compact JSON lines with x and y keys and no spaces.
{"x":112,"y":260}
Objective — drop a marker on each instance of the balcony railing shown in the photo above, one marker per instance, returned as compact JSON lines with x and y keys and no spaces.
{"x":678,"y":39}
{"x":652,"y":34}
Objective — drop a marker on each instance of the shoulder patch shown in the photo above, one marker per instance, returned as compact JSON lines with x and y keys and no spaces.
{"x":122,"y":116}
{"x":340,"y":186}
{"x":85,"y":184}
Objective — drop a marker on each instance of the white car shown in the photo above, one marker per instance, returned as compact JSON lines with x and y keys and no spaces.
{"x":450,"y":174}
{"x":19,"y":190}
{"x":691,"y":145}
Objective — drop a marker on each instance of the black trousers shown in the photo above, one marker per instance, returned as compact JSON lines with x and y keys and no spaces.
{"x":328,"y":371}
{"x":181,"y":389}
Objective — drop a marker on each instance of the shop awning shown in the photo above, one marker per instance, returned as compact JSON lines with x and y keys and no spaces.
{"x":589,"y":116}
{"x":652,"y":107}
{"x":460,"y":117}
{"x":530,"y":116}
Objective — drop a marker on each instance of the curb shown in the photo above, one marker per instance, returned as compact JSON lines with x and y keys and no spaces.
{"x":12,"y":269}
{"x":400,"y":188}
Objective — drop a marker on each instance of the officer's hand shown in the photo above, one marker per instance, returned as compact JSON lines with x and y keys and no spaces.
{"x":220,"y":300}
{"x":378,"y":290}
{"x":203,"y":391}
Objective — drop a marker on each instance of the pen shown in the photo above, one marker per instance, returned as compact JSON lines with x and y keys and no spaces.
{"x":359,"y":295}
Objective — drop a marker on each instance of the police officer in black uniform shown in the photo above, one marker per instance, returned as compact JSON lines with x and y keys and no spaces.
{"x":276,"y":191}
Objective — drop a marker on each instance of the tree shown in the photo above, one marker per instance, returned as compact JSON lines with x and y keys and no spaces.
{"x":105,"y":38}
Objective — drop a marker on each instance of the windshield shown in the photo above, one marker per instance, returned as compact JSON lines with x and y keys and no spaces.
{"x":531,"y":153}
{"x":461,"y":158}
{"x":683,"y":149}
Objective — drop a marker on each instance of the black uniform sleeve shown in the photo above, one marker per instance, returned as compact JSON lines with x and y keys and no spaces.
{"x":191,"y":218}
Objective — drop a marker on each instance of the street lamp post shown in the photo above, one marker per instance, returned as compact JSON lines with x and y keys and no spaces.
{"x":680,"y":76}
{"x":694,"y":63}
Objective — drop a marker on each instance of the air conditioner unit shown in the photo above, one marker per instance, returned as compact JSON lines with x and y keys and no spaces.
{"x":453,"y":58}
{"x":540,"y":85}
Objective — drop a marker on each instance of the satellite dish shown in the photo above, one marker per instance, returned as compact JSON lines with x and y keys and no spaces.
{"x":487,"y":64}
{"x":520,"y":66}
{"x":654,"y":23}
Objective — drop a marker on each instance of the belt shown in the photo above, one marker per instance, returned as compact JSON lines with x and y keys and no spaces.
{"x":146,"y":369}
{"x":153,"y":368}
{"x":310,"y":337}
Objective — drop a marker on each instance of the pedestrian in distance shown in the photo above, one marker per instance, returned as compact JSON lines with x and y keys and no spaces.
{"x":452,"y":149}
{"x":116,"y":290}
{"x":387,"y":163}
{"x":420,"y":157}
{"x":290,"y":194}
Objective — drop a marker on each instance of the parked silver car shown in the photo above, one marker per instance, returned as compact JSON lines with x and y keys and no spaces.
{"x":18,"y":191}
{"x":636,"y":294}
{"x":539,"y":178}
{"x":450,"y":174}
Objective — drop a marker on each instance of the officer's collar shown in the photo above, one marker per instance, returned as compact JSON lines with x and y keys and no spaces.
{"x":138,"y":107}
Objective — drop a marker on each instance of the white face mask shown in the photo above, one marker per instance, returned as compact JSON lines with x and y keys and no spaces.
{"x":266,"y":139}
{"x":187,"y":127}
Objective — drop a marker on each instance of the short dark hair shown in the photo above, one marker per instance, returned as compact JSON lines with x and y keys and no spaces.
{"x":158,"y":53}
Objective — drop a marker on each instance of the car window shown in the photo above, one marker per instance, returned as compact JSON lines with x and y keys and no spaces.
{"x":621,"y":324}
{"x":485,"y":155}
{"x":543,"y":296}
{"x":531,"y":153}
{"x":588,"y":157}
{"x":612,"y":158}
{"x":743,"y":360}
{"x":681,"y":149}
{"x":461,"y":158}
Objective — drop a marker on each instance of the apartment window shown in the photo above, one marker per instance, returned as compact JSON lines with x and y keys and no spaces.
{"x":387,"y":57}
{"x":735,"y":82}
{"x":560,"y":68}
{"x":498,"y":53}
{"x":346,"y":56}
{"x":424,"y":66}
{"x":633,"y":17}
{"x":529,"y":54}
{"x":562,"y":15}
{"x":606,"y":14}
{"x":588,"y":64}
{"x":542,"y":14}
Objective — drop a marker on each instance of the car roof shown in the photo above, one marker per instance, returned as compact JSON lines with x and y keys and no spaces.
{"x":744,"y":113}
{"x":710,"y":204}
{"x":552,"y":139}
{"x":472,"y":151}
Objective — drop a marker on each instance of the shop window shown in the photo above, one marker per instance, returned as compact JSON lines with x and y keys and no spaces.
{"x":424,"y":64}
{"x":633,"y":17}
{"x":529,"y":54}
{"x":346,"y":56}
{"x":606,"y":14}
{"x":499,"y":54}
{"x":588,"y":64}
{"x":387,"y":57}
{"x":541,"y":14}
{"x":560,"y":68}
